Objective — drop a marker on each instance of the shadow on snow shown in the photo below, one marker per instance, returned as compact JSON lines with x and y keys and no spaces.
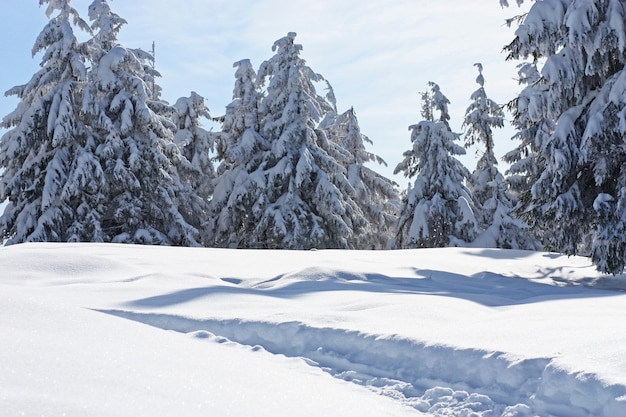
{"x":486,"y":288}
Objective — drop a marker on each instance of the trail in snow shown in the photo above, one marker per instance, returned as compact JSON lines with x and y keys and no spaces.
{"x":434,"y":379}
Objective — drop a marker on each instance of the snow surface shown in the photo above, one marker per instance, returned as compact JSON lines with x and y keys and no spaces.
{"x":122,"y":330}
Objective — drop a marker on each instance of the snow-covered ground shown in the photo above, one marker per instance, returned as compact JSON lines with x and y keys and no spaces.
{"x":115,"y":330}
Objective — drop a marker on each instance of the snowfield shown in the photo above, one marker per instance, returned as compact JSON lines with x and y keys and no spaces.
{"x":122,"y":330}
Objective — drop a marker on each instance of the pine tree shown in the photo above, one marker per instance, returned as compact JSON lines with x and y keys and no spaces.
{"x":241,"y":120}
{"x":145,"y":199}
{"x":310,"y":200}
{"x":376,"y":195}
{"x":47,"y":173}
{"x":437,"y":211}
{"x":239,"y":196}
{"x":196,"y":144}
{"x":494,"y":203}
{"x":532,"y":133}
{"x":583,"y":49}
{"x":286,"y":190}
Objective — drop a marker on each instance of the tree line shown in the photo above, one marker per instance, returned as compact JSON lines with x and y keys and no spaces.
{"x":93,"y":154}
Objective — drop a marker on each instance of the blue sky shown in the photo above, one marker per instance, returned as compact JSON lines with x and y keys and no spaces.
{"x":378,"y":55}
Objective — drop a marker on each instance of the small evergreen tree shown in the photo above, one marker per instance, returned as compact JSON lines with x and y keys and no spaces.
{"x":494,"y":204}
{"x":196,"y":144}
{"x":437,"y":210}
{"x":376,"y":195}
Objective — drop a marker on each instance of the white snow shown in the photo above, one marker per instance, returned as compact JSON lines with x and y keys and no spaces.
{"x":122,"y":330}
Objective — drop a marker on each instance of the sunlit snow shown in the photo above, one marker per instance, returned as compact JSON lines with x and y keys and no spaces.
{"x":122,"y":330}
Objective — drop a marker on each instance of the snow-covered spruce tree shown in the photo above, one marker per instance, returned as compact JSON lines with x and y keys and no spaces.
{"x":239,"y":196}
{"x":49,"y":175}
{"x":196,"y":144}
{"x":581,"y":88}
{"x":532,"y":133}
{"x":239,"y":137}
{"x":145,"y":199}
{"x":304,"y":199}
{"x":310,"y":202}
{"x":106,"y":25}
{"x":376,"y":195}
{"x":494,"y":203}
{"x":437,"y":210}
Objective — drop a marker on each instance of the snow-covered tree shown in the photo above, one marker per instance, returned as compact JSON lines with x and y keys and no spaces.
{"x":239,"y":136}
{"x":106,"y":25}
{"x":310,"y":201}
{"x":376,"y":195}
{"x":531,"y":133}
{"x":292,"y":193}
{"x":494,"y":203}
{"x":239,"y":197}
{"x":581,"y":48}
{"x":437,"y":210}
{"x":145,"y":199}
{"x":47,"y":173}
{"x":196,"y":144}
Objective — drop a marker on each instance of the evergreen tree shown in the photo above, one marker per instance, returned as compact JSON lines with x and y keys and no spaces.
{"x":437,"y":210}
{"x":145,"y":199}
{"x":241,"y":121}
{"x":106,"y":25}
{"x":196,"y":144}
{"x":376,"y":195}
{"x":291,"y":192}
{"x":583,"y":49}
{"x":239,"y":196}
{"x":494,"y":204}
{"x":47,"y":173}
{"x":310,"y":200}
{"x":532,"y":133}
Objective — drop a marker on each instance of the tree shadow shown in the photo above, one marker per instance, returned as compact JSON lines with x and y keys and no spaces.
{"x":486,"y":288}
{"x":502,"y":253}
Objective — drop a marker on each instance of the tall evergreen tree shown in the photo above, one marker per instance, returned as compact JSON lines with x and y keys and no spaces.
{"x":437,"y":211}
{"x":239,"y":196}
{"x":310,"y":200}
{"x":291,"y":192}
{"x":582,"y":45}
{"x":376,"y":195}
{"x":494,"y":203}
{"x":145,"y":199}
{"x":47,"y":174}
